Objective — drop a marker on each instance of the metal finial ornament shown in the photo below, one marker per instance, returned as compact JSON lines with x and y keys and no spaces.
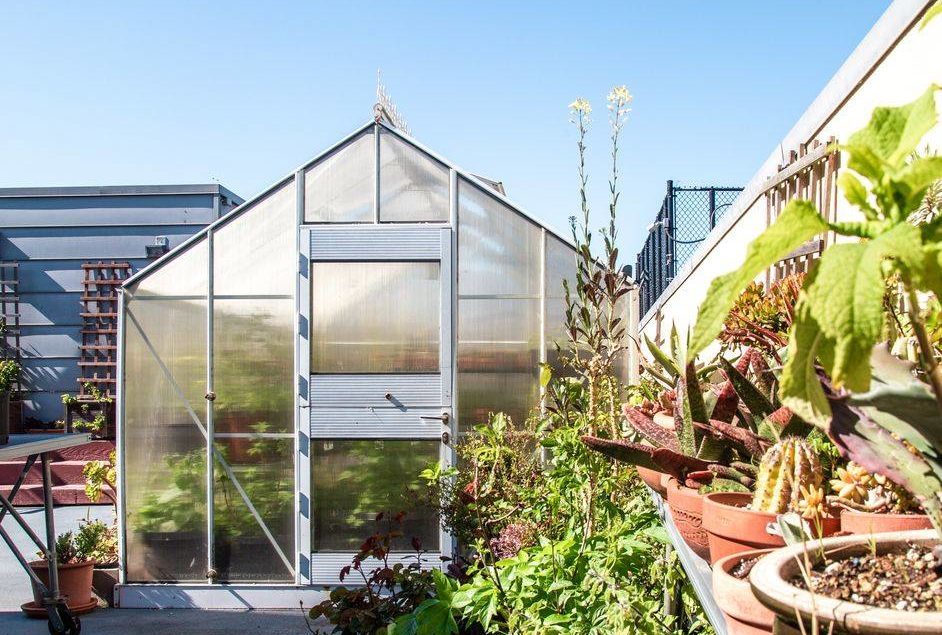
{"x":385,"y":110}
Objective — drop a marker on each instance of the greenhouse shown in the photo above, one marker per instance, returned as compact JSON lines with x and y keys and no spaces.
{"x":288,"y":372}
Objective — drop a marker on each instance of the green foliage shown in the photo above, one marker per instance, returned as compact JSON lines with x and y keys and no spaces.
{"x":9,"y":373}
{"x":388,"y":592}
{"x":97,"y":475}
{"x":799,"y":222}
{"x":94,"y":541}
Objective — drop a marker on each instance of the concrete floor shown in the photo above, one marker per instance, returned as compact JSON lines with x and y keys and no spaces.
{"x":15,"y":589}
{"x":177,"y":622}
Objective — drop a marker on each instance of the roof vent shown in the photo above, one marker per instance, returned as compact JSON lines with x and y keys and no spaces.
{"x":159,"y":248}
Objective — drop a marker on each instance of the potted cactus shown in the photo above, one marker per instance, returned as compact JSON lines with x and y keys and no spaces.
{"x":790,"y":480}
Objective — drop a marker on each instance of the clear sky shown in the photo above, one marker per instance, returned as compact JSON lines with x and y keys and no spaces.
{"x":102,"y":93}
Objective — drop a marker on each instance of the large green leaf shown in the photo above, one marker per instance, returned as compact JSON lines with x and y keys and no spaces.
{"x":798,"y":222}
{"x":845,"y":299}
{"x":901,"y":404}
{"x":895,"y":132}
{"x":800,"y":386}
{"x":856,"y":194}
{"x":916,"y":177}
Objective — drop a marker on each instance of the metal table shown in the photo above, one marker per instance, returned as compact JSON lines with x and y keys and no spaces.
{"x":697,"y":569}
{"x":33,"y":447}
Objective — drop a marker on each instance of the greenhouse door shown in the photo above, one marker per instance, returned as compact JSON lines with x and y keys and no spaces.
{"x":379,"y":396}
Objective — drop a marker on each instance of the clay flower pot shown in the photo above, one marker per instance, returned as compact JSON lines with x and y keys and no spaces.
{"x":770,"y":581}
{"x":75,"y":583}
{"x":686,"y":507}
{"x":865,"y":523}
{"x":744,"y":614}
{"x":653,"y":479}
{"x":734,"y":528}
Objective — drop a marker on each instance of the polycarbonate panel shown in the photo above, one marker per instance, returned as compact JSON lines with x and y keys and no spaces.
{"x":256,"y":252}
{"x":340,"y":187}
{"x":354,"y":480}
{"x":375,"y":317}
{"x":557,"y":340}
{"x":413,"y":187}
{"x":498,"y":358}
{"x":560,"y":265}
{"x":183,"y":275}
{"x":242,"y":552}
{"x":499,"y":251}
{"x":165,"y":449}
{"x":253,"y":346}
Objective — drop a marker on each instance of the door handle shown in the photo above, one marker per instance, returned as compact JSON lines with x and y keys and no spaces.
{"x":443,"y":417}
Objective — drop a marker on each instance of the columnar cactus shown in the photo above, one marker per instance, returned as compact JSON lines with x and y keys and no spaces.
{"x":786,"y":468}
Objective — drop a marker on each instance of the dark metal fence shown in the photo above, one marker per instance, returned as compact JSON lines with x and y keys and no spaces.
{"x":686,"y":216}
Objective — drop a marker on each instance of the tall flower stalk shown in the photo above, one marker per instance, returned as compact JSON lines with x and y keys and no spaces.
{"x":595,"y":324}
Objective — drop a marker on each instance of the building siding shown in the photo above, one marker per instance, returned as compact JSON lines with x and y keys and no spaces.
{"x":51,"y":232}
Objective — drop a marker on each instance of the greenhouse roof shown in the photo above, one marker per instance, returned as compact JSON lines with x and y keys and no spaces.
{"x":492,"y":187}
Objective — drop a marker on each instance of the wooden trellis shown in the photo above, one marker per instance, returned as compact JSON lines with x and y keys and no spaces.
{"x":810,"y":174}
{"x":99,"y":350}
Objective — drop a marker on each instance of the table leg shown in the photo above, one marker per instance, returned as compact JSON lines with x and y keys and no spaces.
{"x":49,"y":511}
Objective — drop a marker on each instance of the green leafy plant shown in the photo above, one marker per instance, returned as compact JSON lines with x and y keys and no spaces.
{"x":97,"y":541}
{"x":387,"y":592}
{"x":96,"y":399}
{"x":101,"y":479}
{"x":881,"y":412}
{"x":9,"y":374}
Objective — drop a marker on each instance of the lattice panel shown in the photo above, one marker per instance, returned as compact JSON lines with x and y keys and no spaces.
{"x":99,"y":349}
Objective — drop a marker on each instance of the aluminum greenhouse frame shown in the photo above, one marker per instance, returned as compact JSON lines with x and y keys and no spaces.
{"x":331,"y":337}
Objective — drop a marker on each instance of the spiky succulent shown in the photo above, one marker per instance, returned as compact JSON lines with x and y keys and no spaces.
{"x":787,"y":468}
{"x":856,"y":488}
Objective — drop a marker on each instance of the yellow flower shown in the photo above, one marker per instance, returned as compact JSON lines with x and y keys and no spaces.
{"x":581,"y":106}
{"x":620,"y":95}
{"x":811,"y":504}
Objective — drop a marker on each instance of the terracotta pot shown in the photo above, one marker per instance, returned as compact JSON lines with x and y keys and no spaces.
{"x":734,"y":528}
{"x":686,"y":507}
{"x":770,"y":581}
{"x":75,"y":582}
{"x":743,"y":612}
{"x":854,"y":522}
{"x":653,"y":479}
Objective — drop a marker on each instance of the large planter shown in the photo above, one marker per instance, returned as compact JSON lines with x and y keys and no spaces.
{"x":734,"y":528}
{"x":686,"y":505}
{"x":743,"y":612}
{"x":770,"y":581}
{"x":75,"y":584}
{"x":104,"y":580}
{"x":866,"y":523}
{"x":653,"y":479}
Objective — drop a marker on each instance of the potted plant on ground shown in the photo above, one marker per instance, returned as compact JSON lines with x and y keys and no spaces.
{"x":74,"y":557}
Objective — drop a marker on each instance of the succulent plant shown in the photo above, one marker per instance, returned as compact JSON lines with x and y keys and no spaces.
{"x":855,"y":488}
{"x":893,"y":430}
{"x":714,"y":433}
{"x":789,"y":479}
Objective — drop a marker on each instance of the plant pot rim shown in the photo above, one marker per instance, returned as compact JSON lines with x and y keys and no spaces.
{"x":722,"y":498}
{"x":726,"y":563}
{"x":44,"y":564}
{"x":770,"y":577}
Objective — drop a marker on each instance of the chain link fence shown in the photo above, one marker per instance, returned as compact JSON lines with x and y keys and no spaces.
{"x":686,"y":217}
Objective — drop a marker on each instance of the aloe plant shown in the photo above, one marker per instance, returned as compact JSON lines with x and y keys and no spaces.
{"x":717,"y":432}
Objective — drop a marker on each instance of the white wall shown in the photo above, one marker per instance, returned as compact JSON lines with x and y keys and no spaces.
{"x":894,"y":64}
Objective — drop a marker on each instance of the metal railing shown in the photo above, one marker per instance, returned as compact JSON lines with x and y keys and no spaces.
{"x":686,"y":217}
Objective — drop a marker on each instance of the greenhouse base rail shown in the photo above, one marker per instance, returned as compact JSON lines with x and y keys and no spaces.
{"x":697,"y":569}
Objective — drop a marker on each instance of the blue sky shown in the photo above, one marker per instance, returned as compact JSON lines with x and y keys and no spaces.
{"x":100,"y":93}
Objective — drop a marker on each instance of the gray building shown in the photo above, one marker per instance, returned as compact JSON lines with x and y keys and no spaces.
{"x":47,"y":234}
